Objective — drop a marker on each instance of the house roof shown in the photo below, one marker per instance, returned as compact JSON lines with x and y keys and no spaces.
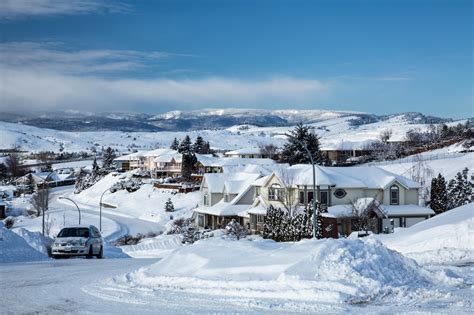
{"x":169,"y":156}
{"x":370,"y":177}
{"x":223,"y":209}
{"x":251,"y":150}
{"x":158,"y":152}
{"x":131,"y":157}
{"x":344,"y":211}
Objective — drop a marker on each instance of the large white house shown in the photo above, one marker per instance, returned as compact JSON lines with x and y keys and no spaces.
{"x":339,"y":189}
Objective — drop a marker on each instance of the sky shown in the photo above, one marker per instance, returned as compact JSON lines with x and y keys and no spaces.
{"x":379,"y":56}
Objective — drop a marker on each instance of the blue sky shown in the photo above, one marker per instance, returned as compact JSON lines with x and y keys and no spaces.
{"x":154,"y":56}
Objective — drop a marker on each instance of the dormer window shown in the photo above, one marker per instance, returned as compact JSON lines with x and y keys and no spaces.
{"x":394,"y":195}
{"x":226,"y":198}
{"x":206,"y":200}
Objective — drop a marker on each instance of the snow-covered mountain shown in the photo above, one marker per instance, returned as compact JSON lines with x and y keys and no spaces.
{"x":195,"y":119}
{"x":339,"y":131}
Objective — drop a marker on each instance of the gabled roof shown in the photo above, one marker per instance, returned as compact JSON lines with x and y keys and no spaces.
{"x":169,"y":156}
{"x":135,"y":156}
{"x":370,"y":177}
{"x":158,"y":152}
{"x":242,"y":151}
{"x":223,"y":209}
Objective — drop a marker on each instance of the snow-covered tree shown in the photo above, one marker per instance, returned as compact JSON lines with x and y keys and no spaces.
{"x":198,"y":145}
{"x":294,"y":151}
{"x":273,"y":226}
{"x":185,"y":146}
{"x":439,"y":195}
{"x":29,"y":184}
{"x":174,"y":145}
{"x":169,"y":207}
{"x":460,"y":190}
{"x":3,"y":171}
{"x":95,"y":168}
{"x":108,"y":158}
{"x":235,"y":231}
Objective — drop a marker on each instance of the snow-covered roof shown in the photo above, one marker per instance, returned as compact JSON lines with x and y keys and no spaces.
{"x":158,"y":152}
{"x":242,"y":151}
{"x":406,"y":210}
{"x":223,"y":209}
{"x":258,"y":209}
{"x":370,"y":177}
{"x":261,"y":181}
{"x":231,"y":161}
{"x":234,"y":183}
{"x":168,"y":157}
{"x":135,"y":156}
{"x":344,"y":211}
{"x":347,"y":145}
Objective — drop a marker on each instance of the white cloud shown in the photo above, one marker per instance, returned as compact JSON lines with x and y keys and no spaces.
{"x":46,"y":76}
{"x":13,"y":9}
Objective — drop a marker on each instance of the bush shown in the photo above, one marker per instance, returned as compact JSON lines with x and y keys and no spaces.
{"x":235,"y":231}
{"x":130,"y":185}
{"x":187,"y":230}
{"x":9,"y":222}
{"x":134,"y":240}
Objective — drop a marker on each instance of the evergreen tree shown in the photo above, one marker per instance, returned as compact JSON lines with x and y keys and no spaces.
{"x":29,"y":185}
{"x":188,"y":164}
{"x":185,"y":145}
{"x":169,"y":207}
{"x":294,"y":151}
{"x":95,"y":168}
{"x":3,"y":171}
{"x":439,"y":194}
{"x":460,"y":190}
{"x":108,"y":159}
{"x":174,"y":145}
{"x":198,"y":145}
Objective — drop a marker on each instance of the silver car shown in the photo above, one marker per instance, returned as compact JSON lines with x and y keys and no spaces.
{"x":78,"y":240}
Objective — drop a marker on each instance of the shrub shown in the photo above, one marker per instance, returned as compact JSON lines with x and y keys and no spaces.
{"x":235,"y":231}
{"x":9,"y":222}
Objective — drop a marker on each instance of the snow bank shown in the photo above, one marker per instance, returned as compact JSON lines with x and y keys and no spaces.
{"x":326,"y":270}
{"x":13,"y":248}
{"x":36,"y":240}
{"x":157,"y":247}
{"x":447,"y":238}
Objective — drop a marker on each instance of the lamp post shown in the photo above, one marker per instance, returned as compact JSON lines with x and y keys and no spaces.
{"x":44,"y":201}
{"x":100,"y":209}
{"x":78,"y":210}
{"x":315,"y":196}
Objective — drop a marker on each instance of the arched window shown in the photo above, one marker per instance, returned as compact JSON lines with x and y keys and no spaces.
{"x":394,"y":195}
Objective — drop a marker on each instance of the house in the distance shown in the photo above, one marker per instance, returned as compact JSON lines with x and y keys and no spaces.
{"x":246,"y":153}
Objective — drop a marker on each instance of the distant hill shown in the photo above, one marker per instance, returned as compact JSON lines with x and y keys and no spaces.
{"x":195,"y":119}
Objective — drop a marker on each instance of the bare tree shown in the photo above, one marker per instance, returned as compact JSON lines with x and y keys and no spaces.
{"x":40,"y":200}
{"x":287,"y":197}
{"x":13,"y":164}
{"x":385,"y":135}
{"x":269,"y":150}
{"x":48,"y":224}
{"x":422,"y":173}
{"x":364,"y":215}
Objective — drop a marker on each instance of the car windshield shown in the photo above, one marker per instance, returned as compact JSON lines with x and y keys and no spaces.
{"x":74,"y":232}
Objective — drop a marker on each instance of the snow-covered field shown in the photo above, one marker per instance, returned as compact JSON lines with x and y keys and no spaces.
{"x":336,"y":132}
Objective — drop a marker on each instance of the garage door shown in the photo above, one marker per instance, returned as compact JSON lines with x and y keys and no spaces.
{"x":413,"y":221}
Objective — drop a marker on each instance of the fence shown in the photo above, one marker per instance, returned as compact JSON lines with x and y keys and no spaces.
{"x":422,"y":157}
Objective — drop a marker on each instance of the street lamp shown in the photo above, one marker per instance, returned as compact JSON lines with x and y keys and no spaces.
{"x":315,"y":196}
{"x":44,"y":201}
{"x":100,"y":209}
{"x":78,"y":210}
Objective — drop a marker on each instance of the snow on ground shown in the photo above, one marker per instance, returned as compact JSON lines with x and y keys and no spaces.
{"x":147,"y":203}
{"x":36,"y":240}
{"x":447,"y":238}
{"x":14,"y":248}
{"x":448,"y":167}
{"x":261,"y":272}
{"x":156,"y":247}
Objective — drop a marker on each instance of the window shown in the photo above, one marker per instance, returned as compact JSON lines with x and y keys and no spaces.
{"x":260,"y":218}
{"x":206,"y":200}
{"x":310,"y":197}
{"x":257,"y":191}
{"x":394,"y":195}
{"x":323,"y":198}
{"x":340,"y":193}
{"x":274,"y":192}
{"x":226,"y":198}
{"x":200,"y":220}
{"x":301,"y":197}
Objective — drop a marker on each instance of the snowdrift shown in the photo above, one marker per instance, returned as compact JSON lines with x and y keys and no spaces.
{"x":447,"y":238}
{"x":36,"y":240}
{"x":329,"y":270}
{"x":14,"y":248}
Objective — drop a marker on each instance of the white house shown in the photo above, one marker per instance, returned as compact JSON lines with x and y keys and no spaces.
{"x":249,"y":153}
{"x":338,"y":190}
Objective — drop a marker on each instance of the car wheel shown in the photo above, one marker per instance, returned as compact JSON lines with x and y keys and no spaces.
{"x":90,"y":254}
{"x":101,"y":253}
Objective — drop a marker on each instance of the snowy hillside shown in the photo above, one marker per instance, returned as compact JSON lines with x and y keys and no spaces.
{"x":447,"y":238}
{"x":336,"y":131}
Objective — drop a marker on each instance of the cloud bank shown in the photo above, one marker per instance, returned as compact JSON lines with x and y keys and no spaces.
{"x":44,"y":77}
